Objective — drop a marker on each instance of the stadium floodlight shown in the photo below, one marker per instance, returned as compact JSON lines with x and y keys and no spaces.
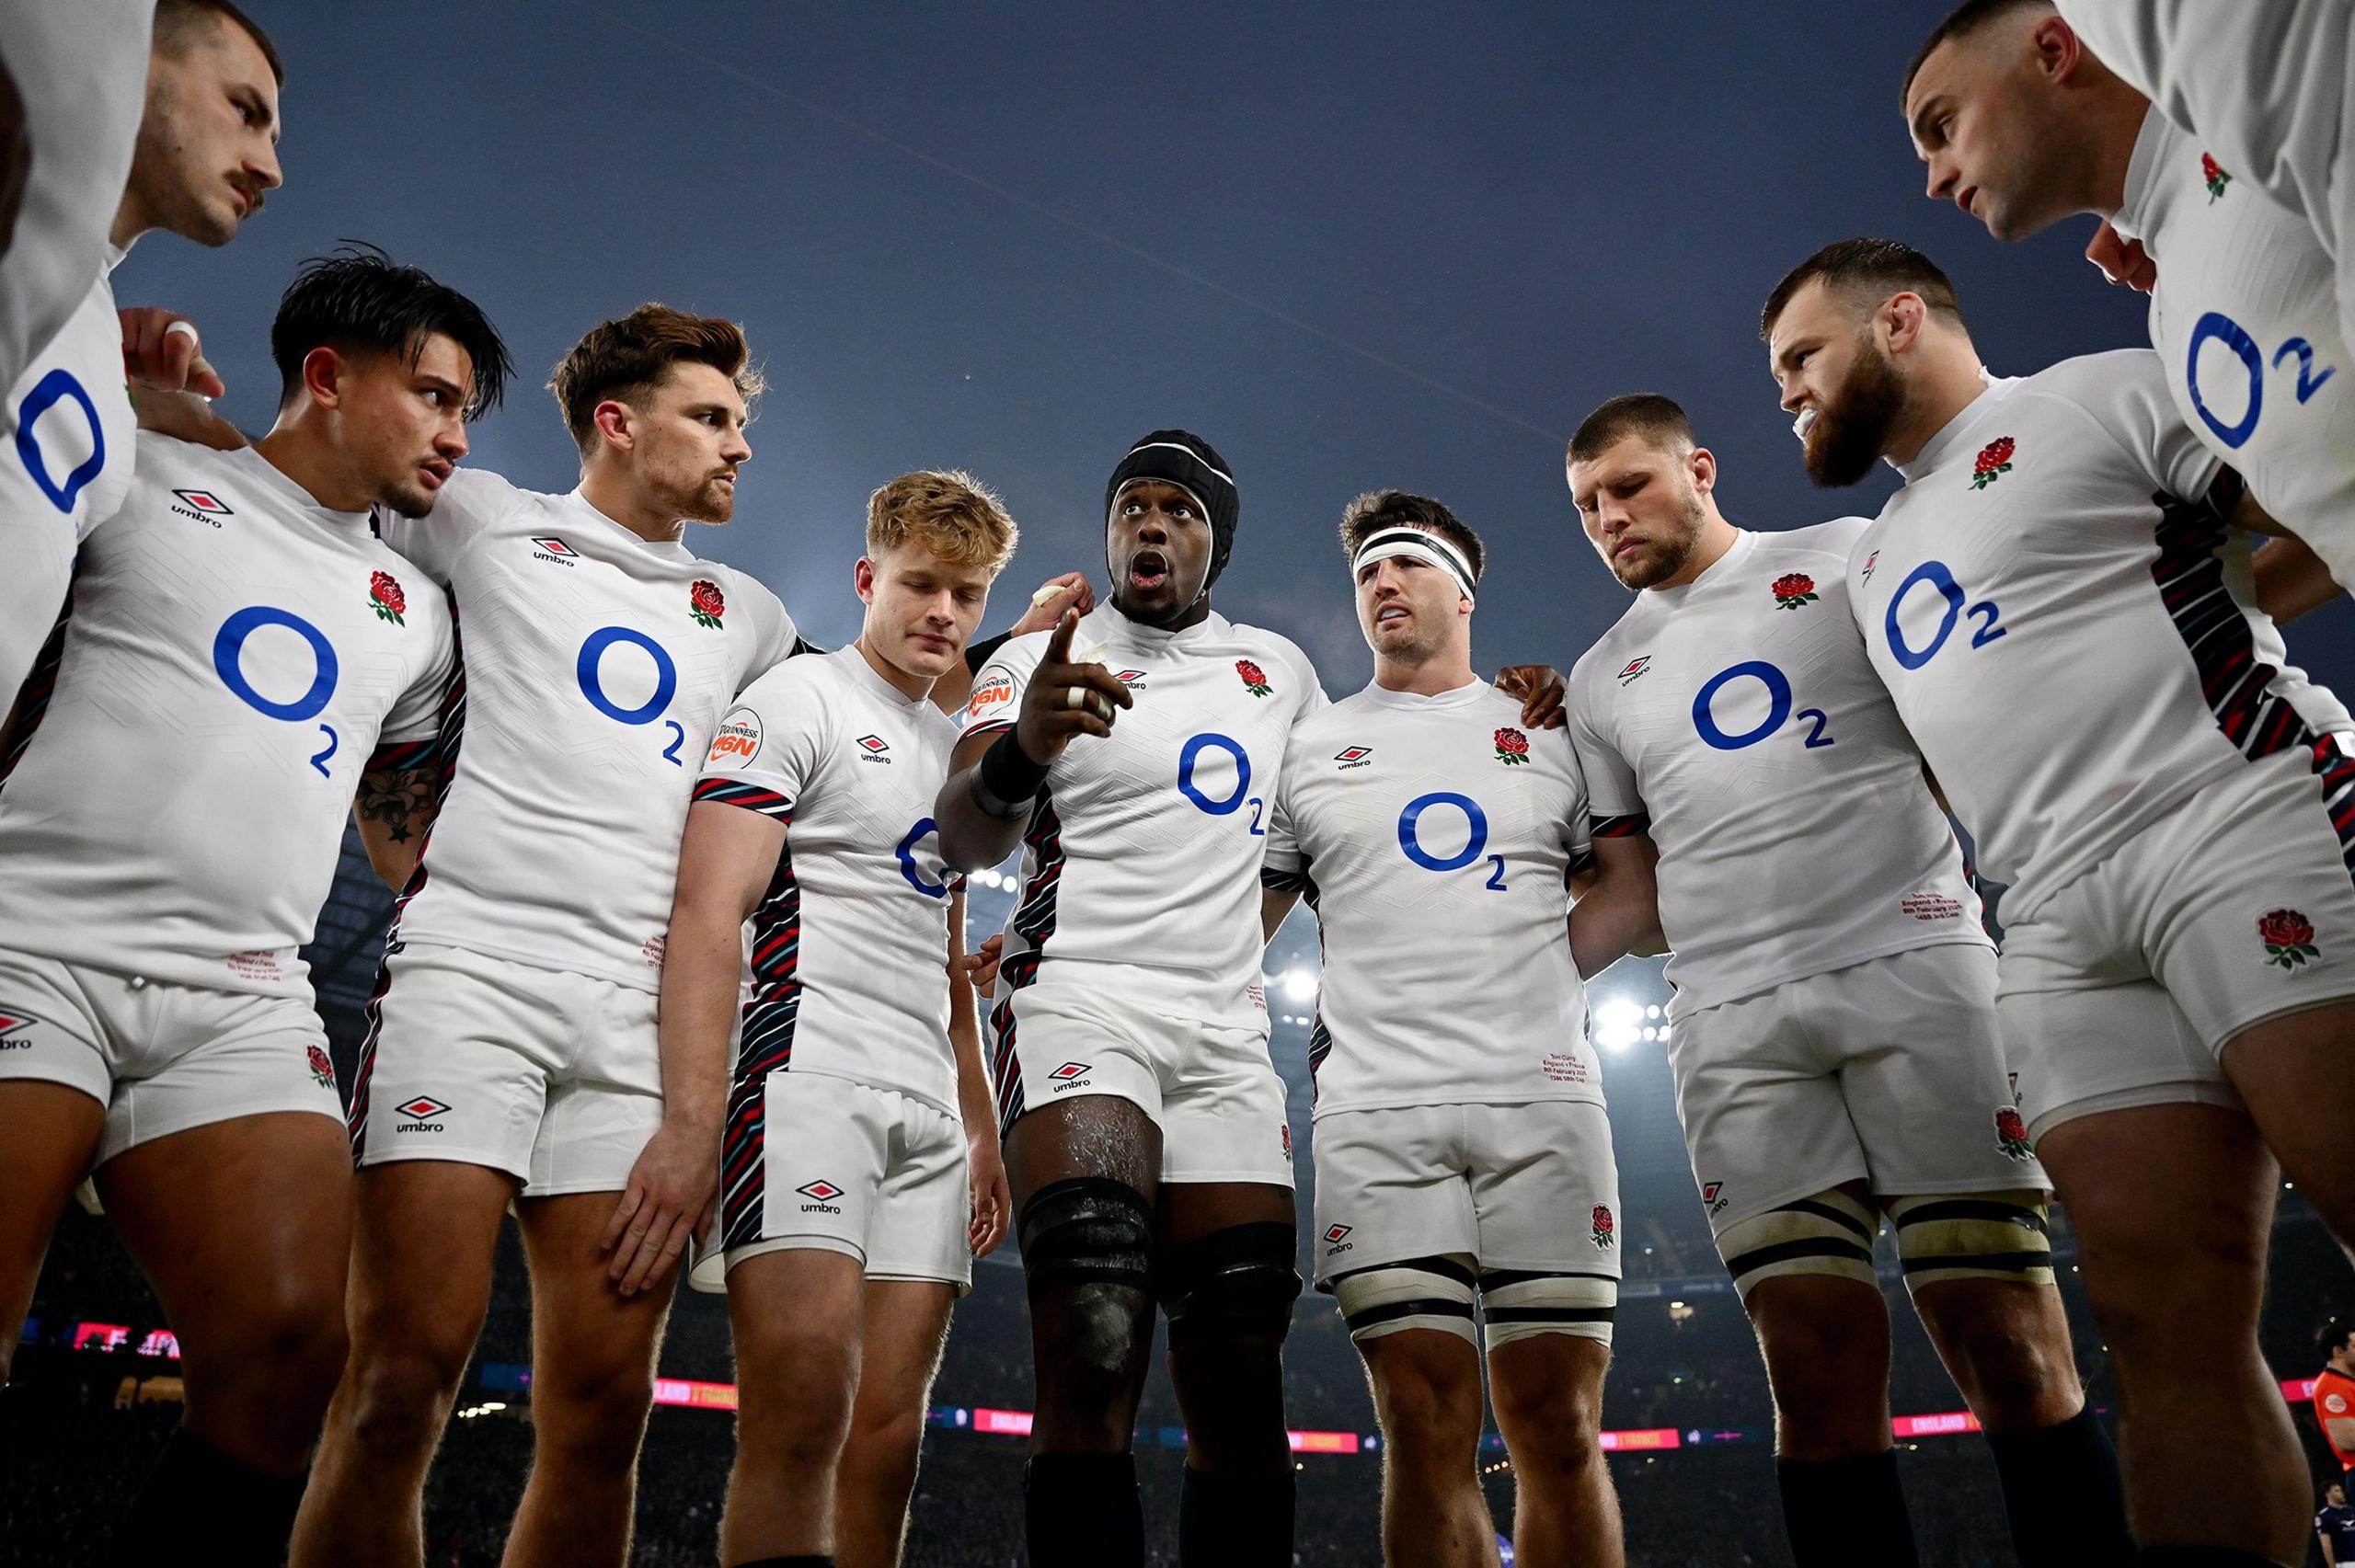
{"x":1299,"y":984}
{"x":1617,"y":1022}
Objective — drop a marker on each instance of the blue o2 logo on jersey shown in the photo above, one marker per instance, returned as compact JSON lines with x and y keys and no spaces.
{"x":906,"y":851}
{"x":1190,"y":758}
{"x":228,"y":661}
{"x":1475,"y":837}
{"x":2218,"y":328}
{"x":59,"y":386}
{"x":1938,"y":578}
{"x":592,"y":685}
{"x":1779,"y":701}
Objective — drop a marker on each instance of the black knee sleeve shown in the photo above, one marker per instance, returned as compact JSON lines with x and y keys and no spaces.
{"x":1230,"y":1283}
{"x":249,"y":1516}
{"x":1088,"y":1230}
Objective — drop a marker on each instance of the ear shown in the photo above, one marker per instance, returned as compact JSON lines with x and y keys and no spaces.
{"x":613,"y":420}
{"x":1901,"y":321}
{"x":323,"y":377}
{"x":862,"y":576}
{"x":1703,"y":465}
{"x":2059,"y":53}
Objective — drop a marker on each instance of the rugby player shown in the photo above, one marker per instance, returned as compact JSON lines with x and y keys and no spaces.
{"x":2262,"y":86}
{"x":1144,"y":1127}
{"x":2059,"y":606}
{"x":861,"y":1173}
{"x":1833,"y":1036}
{"x":241,"y":655}
{"x":206,"y":150}
{"x":2021,"y":126}
{"x":1461,"y":1144}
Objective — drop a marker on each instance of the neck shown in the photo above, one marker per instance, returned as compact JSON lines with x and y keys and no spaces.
{"x":1716,"y":537}
{"x":611,"y":492}
{"x":900,"y":680}
{"x":296,"y":448}
{"x":1948,"y":381}
{"x":129,"y":223}
{"x":2113,"y":123}
{"x":1447,"y":670}
{"x":1193,"y":614}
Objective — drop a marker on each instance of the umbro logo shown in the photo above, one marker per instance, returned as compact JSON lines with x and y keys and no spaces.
{"x":1070,"y":1075}
{"x":1712,"y":1193}
{"x":875,"y":746}
{"x":420,"y":1112}
{"x":551,"y":548}
{"x":11,"y":1021}
{"x":202,"y":506}
{"x":1129,"y":677}
{"x":821,"y":1193}
{"x":1870,"y":562}
{"x":1354,"y":756}
{"x":1334,"y":1232}
{"x":1636,"y":667}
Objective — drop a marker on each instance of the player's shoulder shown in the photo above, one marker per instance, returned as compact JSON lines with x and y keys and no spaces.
{"x":1259,"y":643}
{"x":1347,"y":713}
{"x":811,"y":681}
{"x":1604,"y":655}
{"x":1834,"y":541}
{"x":2094,"y":383}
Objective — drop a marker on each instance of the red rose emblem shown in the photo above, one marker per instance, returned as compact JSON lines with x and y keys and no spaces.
{"x":705,"y":603}
{"x":1793,"y":589}
{"x":2011,"y":1133}
{"x":1603,"y":1232}
{"x":385,"y":598}
{"x":322,"y":1069}
{"x":1254,"y":680}
{"x":1995,"y":459}
{"x":2213,"y":174}
{"x":2289,"y":938}
{"x":1512,"y":746}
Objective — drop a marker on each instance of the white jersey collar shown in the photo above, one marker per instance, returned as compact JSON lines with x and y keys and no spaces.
{"x":1417,"y":702}
{"x":1117,"y":627}
{"x":260,"y":471}
{"x":2144,"y":208}
{"x":1744,"y":541}
{"x":1936,"y":450}
{"x":669,"y":549}
{"x":867,"y":675}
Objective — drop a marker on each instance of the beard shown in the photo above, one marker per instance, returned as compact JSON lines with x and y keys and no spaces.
{"x":1851,"y":430}
{"x":1667,"y":558}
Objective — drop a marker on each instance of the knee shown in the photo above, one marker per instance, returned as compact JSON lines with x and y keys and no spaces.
{"x":2012,"y":1366}
{"x":2148,"y":1301}
{"x":397,"y":1395}
{"x":888,"y":1444}
{"x":289,"y":1348}
{"x":1425,"y":1400}
{"x":596,"y":1418}
{"x":1557,"y":1426}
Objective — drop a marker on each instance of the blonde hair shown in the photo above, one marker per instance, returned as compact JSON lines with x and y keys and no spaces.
{"x":952,"y":514}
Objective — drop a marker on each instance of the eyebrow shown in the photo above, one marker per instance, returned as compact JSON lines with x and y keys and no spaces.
{"x":1926,"y":116}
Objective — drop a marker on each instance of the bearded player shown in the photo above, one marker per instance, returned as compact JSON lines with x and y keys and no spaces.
{"x":1462,"y":1150}
{"x":1144,"y":1123}
{"x":861,"y":1173}
{"x":206,"y":152}
{"x":2177,"y":983}
{"x":244,"y":653}
{"x":2022,"y":126}
{"x":1834,"y":1042}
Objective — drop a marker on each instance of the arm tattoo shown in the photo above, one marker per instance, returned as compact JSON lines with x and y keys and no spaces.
{"x":404,"y":802}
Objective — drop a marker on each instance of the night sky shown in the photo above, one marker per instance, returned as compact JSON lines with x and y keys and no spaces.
{"x":1352,"y":246}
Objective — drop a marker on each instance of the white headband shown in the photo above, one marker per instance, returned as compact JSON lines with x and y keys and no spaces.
{"x":1439,"y":552}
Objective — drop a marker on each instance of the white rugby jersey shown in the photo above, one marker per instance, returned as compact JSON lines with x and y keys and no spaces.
{"x":2245,"y":318}
{"x":2262,"y":85}
{"x":850,"y":946}
{"x":2070,"y":636}
{"x":1737,"y":720}
{"x":597,"y":666}
{"x":237,"y":656}
{"x":1434,"y":838}
{"x":81,"y":69}
{"x":1141,"y":865}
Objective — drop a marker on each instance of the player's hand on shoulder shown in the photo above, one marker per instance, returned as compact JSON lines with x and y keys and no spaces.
{"x":2122,"y":260}
{"x":1057,"y":594}
{"x":1064,"y":699}
{"x":1542,"y":690}
{"x":667,"y":1201}
{"x":162,"y":349}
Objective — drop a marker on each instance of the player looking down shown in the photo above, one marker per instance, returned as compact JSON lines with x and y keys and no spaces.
{"x":1834,"y":1036}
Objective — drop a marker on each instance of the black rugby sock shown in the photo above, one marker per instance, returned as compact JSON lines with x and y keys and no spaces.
{"x":809,"y":1560}
{"x":2203,"y":1557}
{"x":1081,"y":1511}
{"x":1839,"y":1512}
{"x":2062,"y":1494}
{"x":1235,"y":1521}
{"x":246,"y":1518}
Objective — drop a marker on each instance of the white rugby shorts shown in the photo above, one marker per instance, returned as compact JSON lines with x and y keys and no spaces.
{"x":832,"y":1163}
{"x":161,"y":1058}
{"x":2123,"y":988}
{"x":1531,"y":1186}
{"x":1890,"y":1072}
{"x":1210,"y":1088}
{"x":555,"y":1078}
